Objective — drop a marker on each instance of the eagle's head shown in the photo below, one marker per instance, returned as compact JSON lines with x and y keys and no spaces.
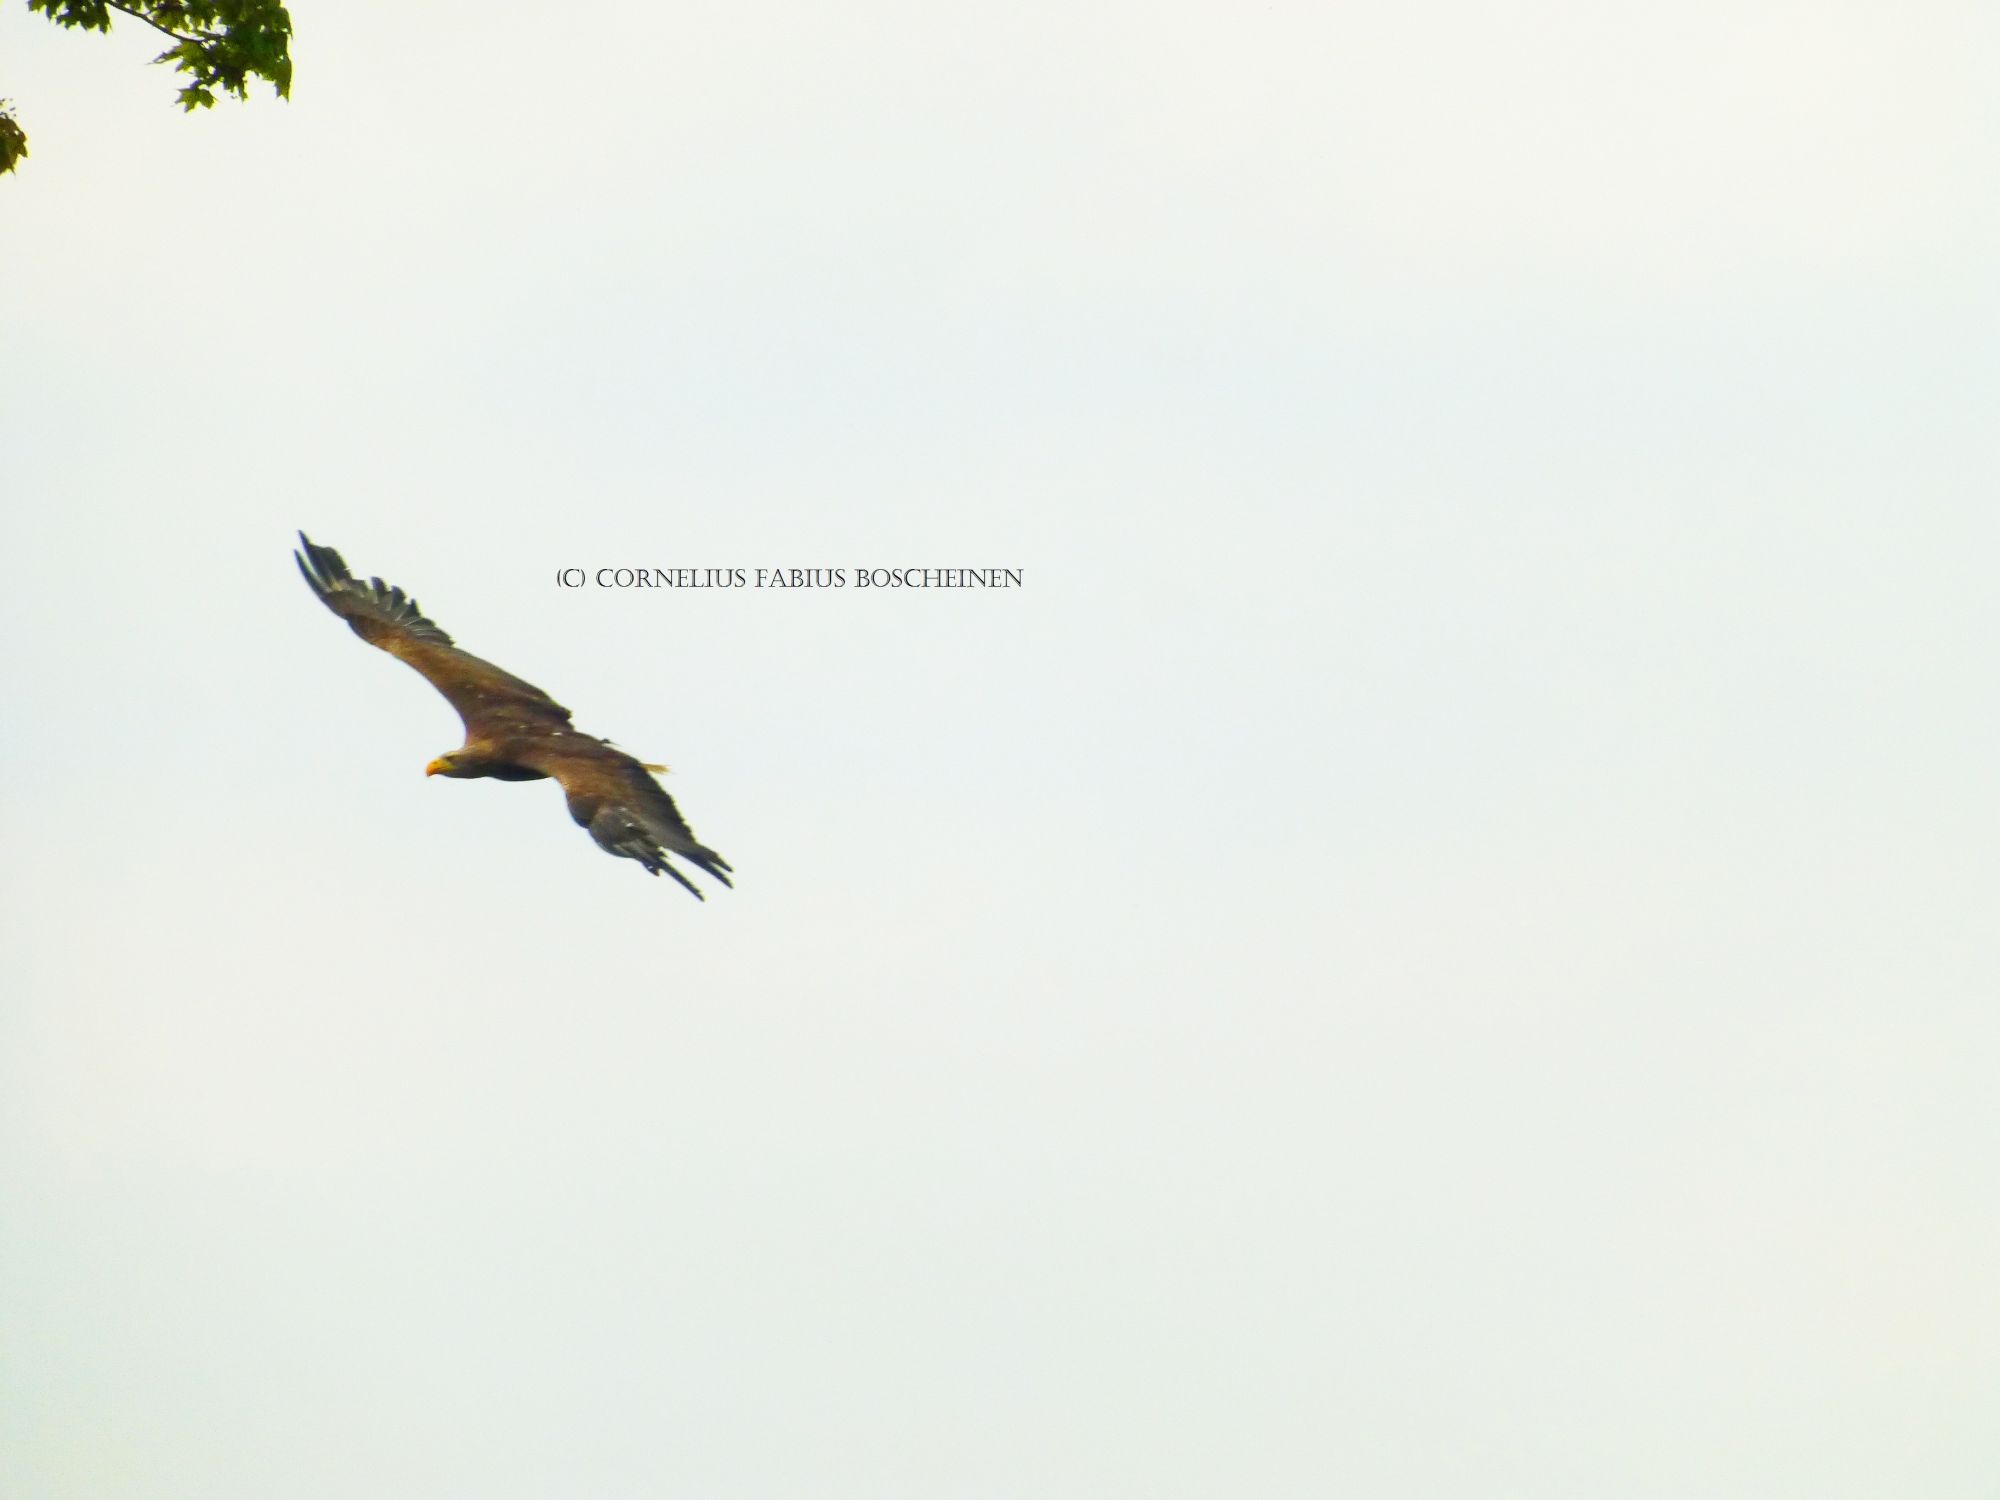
{"x":468,"y":764}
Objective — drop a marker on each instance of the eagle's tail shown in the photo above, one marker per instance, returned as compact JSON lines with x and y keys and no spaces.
{"x":648,"y":834}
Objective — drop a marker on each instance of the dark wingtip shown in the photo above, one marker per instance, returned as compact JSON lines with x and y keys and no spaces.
{"x":322,"y":566}
{"x":656,"y":863}
{"x":328,"y":574}
{"x":710,"y":861}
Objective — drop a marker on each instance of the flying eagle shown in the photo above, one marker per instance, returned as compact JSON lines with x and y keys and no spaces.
{"x":513,"y":730}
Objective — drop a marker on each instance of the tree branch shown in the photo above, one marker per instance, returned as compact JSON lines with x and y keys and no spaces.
{"x":179,"y":36}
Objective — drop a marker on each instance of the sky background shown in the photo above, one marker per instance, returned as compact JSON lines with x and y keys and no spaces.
{"x":1441,"y":945}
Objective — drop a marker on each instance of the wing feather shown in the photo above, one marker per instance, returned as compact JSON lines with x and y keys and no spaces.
{"x":625,"y":810}
{"x":490,"y":700}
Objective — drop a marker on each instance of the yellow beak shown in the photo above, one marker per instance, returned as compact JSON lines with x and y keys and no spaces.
{"x":435,"y":768}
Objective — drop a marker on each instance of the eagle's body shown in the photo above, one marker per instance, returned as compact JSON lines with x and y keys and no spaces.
{"x":513,"y":730}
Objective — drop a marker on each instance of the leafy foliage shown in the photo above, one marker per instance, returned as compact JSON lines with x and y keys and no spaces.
{"x":220,"y":45}
{"x":13,"y":140}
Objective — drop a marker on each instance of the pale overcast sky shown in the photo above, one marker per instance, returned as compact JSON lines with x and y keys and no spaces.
{"x":1440,"y":945}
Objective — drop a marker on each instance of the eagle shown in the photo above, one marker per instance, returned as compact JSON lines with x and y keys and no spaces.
{"x":513,"y":730}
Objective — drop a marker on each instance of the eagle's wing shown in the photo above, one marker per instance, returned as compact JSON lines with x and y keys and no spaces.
{"x":489,"y":700}
{"x":625,"y":810}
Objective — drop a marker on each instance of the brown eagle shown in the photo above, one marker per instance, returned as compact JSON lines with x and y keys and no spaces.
{"x":514,"y":730}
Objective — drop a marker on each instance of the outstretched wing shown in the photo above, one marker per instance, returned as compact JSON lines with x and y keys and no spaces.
{"x":625,"y":810}
{"x":490,"y":701}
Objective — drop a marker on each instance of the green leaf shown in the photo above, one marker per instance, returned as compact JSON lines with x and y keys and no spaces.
{"x":13,"y":140}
